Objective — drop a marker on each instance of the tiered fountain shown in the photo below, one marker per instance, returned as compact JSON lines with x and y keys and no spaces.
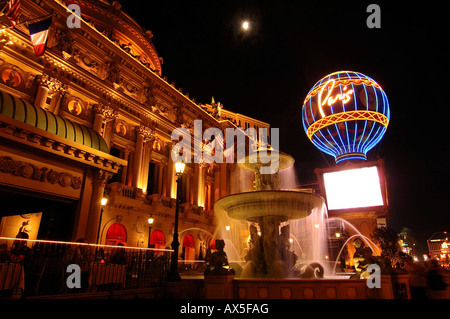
{"x":269,"y":214}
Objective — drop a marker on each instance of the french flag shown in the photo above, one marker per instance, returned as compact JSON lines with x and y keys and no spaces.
{"x":38,"y":35}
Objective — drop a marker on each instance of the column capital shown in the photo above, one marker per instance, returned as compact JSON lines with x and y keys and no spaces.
{"x":106,"y":111}
{"x":100,"y":177}
{"x":145,"y":131}
{"x":51,"y":83}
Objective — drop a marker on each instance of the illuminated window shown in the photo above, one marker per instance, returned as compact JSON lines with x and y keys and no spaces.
{"x":188,"y":247}
{"x":157,"y":239}
{"x":116,"y":234}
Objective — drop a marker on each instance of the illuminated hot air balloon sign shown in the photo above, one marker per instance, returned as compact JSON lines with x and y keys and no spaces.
{"x":345,"y":115}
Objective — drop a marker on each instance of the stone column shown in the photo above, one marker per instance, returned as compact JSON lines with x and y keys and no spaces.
{"x":130,"y":169}
{"x":42,"y":95}
{"x":143,"y":133}
{"x":159,"y":189}
{"x":137,"y":162}
{"x":209,"y":196}
{"x":201,"y":198}
{"x":187,"y":187}
{"x":145,"y":163}
{"x":196,"y":183}
{"x":98,"y":119}
{"x":123,"y":177}
{"x":55,"y":103}
{"x":164,"y":166}
{"x":170,"y":178}
{"x":49,"y":85}
{"x":102,"y":114}
{"x":99,"y":180}
{"x":223,"y":179}
{"x":217,"y":175}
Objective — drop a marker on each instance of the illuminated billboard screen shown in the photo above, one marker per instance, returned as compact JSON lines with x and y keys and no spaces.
{"x":353,"y":188}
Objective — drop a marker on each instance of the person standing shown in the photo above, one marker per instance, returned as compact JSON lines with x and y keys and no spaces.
{"x":417,"y":279}
{"x":437,"y":287}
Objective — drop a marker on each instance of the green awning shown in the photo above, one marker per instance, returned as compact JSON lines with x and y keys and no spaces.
{"x":25,"y":112}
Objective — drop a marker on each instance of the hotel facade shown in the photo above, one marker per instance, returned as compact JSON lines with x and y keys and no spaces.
{"x":91,"y":118}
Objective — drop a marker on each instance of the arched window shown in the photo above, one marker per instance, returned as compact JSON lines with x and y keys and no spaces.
{"x":212,"y":244}
{"x":189,"y":247}
{"x":188,"y":241}
{"x":157,"y":239}
{"x":116,"y":234}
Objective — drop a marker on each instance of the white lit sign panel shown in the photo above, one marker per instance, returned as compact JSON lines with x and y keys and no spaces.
{"x":353,"y":188}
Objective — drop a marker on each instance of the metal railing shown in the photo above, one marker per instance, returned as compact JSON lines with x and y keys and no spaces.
{"x":39,"y":267}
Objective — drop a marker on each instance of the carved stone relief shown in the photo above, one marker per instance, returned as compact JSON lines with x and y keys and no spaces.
{"x":43,"y":174}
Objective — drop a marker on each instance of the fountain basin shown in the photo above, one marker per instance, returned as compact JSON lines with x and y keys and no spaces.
{"x":280,"y":205}
{"x":253,"y":162}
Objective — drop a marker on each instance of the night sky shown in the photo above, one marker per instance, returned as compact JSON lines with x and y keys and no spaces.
{"x":266,"y":73}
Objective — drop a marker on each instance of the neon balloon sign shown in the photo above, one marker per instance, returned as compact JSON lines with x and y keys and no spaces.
{"x":345,"y":114}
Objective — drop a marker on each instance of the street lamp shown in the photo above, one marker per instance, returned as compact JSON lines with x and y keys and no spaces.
{"x":103,"y":202}
{"x":173,"y":271}
{"x":150,"y":223}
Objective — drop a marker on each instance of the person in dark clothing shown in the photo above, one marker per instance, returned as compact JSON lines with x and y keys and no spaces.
{"x":437,"y":287}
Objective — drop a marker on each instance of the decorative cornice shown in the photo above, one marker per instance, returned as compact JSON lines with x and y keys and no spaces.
{"x":94,"y":88}
{"x":129,"y":24}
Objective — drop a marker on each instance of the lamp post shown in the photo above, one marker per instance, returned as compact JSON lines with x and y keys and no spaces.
{"x":173,"y":271}
{"x":103,"y":202}
{"x":150,"y":223}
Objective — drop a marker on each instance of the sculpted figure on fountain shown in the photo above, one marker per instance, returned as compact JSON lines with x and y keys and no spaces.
{"x":218,"y":260}
{"x":362,"y":258}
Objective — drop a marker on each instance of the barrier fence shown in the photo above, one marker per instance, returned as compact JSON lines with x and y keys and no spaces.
{"x":40,"y":267}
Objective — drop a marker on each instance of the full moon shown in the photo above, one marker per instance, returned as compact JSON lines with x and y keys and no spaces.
{"x":245,"y":25}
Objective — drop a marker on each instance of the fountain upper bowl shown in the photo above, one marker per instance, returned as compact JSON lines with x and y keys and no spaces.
{"x":256,"y":206}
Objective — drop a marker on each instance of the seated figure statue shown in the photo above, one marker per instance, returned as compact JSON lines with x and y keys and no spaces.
{"x":218,"y":260}
{"x":362,"y":258}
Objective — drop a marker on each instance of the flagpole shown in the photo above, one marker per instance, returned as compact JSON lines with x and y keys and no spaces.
{"x":4,"y":7}
{"x":27,"y":21}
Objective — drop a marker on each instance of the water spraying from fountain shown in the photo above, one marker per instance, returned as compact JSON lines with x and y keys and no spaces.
{"x":288,"y":178}
{"x":271,"y":216}
{"x":357,"y":233}
{"x":274,"y":231}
